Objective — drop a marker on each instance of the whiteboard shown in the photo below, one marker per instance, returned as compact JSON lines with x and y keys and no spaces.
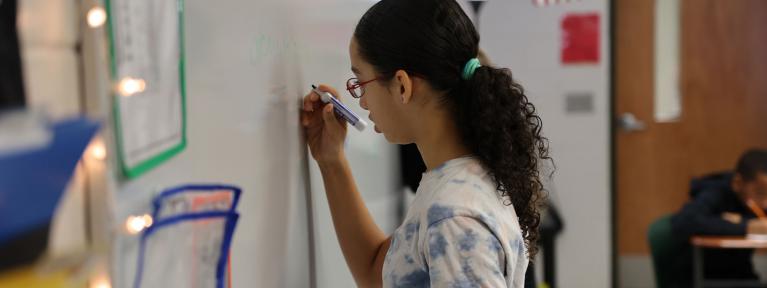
{"x":248,"y":63}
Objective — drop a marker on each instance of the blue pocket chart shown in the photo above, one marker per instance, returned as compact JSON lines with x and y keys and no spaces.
{"x":188,"y":243}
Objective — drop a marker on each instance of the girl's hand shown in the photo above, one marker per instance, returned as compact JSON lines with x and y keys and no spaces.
{"x":324,"y":131}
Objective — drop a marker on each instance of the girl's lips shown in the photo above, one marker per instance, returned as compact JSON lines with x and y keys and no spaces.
{"x":375,"y":127}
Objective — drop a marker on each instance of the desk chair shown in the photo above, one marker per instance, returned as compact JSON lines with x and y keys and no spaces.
{"x":663,"y":249}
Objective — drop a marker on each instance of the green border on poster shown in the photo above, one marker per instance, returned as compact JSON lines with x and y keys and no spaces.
{"x":146,"y":165}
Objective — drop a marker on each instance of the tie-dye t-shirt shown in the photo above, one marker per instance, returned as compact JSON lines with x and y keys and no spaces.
{"x":457,"y":233}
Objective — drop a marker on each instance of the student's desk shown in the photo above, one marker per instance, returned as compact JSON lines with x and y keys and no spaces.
{"x":722,"y":242}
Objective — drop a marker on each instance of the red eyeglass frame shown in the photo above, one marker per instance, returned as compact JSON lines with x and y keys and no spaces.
{"x":351,"y":88}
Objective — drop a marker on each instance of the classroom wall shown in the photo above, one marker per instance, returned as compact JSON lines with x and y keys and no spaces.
{"x":241,"y":130}
{"x":526,"y":38}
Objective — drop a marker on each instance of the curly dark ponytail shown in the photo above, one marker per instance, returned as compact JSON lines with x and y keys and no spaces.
{"x":501,"y":127}
{"x":435,"y":39}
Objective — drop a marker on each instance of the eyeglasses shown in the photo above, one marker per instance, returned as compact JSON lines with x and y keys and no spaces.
{"x":357,"y":88}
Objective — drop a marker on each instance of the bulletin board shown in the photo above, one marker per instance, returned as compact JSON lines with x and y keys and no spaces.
{"x":146,"y":46}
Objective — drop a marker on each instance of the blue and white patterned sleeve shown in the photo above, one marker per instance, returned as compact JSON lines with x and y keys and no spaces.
{"x":462,"y":251}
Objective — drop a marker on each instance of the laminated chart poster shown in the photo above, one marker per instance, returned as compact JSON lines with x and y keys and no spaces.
{"x":147,"y":66}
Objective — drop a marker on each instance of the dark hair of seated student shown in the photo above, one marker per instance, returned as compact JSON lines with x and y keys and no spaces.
{"x":718,"y":207}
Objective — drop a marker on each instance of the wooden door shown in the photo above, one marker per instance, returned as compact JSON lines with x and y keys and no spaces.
{"x":723,"y":81}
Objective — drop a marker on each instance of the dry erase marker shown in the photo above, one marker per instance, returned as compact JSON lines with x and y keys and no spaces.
{"x":341,"y":109}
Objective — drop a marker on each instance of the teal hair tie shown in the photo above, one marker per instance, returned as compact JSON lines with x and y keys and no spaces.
{"x":469,"y":68}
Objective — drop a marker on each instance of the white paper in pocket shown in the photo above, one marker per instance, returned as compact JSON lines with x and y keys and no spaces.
{"x":186,"y":250}
{"x":195,"y":198}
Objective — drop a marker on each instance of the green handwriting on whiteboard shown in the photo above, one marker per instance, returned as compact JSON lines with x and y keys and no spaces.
{"x":264,"y":46}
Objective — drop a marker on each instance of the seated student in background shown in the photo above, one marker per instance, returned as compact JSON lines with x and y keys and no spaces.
{"x":718,"y":207}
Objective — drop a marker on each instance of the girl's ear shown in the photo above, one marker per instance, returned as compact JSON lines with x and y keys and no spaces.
{"x":404,"y":86}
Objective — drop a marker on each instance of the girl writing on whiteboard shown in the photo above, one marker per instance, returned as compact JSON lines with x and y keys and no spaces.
{"x":474,"y":220}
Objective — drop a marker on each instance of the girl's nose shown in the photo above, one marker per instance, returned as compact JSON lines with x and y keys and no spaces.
{"x":364,"y":102}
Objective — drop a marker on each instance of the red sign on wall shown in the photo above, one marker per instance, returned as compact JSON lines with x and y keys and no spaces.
{"x":580,"y":39}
